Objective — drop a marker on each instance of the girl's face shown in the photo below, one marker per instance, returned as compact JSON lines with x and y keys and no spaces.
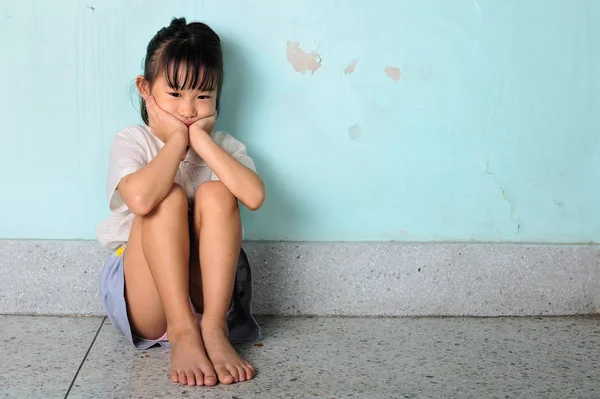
{"x":188,"y":105}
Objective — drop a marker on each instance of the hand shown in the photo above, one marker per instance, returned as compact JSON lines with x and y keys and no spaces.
{"x":206,"y":124}
{"x":201,"y":129}
{"x":164,"y":125}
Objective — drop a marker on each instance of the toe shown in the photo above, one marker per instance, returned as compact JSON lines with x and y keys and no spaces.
{"x":249,"y":371}
{"x":210,"y":380}
{"x":199,"y":377}
{"x":241,"y":373}
{"x":250,"y":367}
{"x":225,"y":376}
{"x":190,"y":377}
{"x":233,"y":371}
{"x":210,"y":377}
{"x":174,"y":376}
{"x":182,"y":378}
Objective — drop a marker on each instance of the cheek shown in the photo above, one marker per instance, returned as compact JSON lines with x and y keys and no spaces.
{"x":166,"y":103}
{"x":207,"y":108}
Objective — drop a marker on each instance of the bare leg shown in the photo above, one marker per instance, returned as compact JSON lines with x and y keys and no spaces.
{"x":217,"y":222}
{"x":196,"y":294}
{"x":157,"y":292}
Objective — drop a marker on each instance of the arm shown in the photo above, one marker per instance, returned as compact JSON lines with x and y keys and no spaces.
{"x":243,"y":182}
{"x":143,"y":190}
{"x":147,"y":187}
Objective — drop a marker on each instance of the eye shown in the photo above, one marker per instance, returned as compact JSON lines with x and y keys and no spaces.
{"x":175,"y":94}
{"x":203,"y":97}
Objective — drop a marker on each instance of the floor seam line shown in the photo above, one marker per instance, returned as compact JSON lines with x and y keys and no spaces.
{"x":84,"y":358}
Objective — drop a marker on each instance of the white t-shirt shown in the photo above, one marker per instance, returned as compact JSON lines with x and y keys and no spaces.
{"x":133,"y":148}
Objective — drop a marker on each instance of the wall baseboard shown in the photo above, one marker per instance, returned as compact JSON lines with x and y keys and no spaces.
{"x":349,"y":279}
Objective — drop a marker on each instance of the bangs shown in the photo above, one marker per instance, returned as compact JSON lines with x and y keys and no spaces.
{"x":187,"y":65}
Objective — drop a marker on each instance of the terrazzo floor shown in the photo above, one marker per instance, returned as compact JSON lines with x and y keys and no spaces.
{"x":58,"y":357}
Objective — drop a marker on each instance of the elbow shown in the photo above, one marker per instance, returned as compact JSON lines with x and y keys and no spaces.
{"x":140,"y":207}
{"x":136,"y":200}
{"x":256,"y":200}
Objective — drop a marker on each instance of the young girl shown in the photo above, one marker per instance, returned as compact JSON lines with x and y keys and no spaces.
{"x":179,"y":276}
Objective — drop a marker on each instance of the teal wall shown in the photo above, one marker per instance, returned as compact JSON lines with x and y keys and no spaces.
{"x":492,"y":132}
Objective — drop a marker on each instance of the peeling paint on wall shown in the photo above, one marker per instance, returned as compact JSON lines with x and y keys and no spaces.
{"x":301,"y":60}
{"x":351,"y":67}
{"x":393,"y":73}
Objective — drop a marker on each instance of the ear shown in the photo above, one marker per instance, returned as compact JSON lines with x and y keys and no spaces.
{"x":143,"y":86}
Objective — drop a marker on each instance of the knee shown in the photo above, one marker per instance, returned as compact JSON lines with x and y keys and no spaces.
{"x":176,"y":199}
{"x":213,"y":196}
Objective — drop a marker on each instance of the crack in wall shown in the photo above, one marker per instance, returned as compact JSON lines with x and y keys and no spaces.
{"x":511,"y":205}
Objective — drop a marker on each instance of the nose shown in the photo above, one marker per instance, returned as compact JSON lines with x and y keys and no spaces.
{"x":187,"y":109}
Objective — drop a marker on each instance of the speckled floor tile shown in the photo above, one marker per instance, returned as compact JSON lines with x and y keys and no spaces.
{"x":40,"y":355}
{"x":376,"y":358}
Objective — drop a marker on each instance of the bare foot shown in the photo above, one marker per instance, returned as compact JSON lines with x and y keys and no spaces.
{"x":230,"y":367}
{"x":189,"y":363}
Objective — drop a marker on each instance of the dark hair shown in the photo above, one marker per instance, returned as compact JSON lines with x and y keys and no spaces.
{"x":196,"y":48}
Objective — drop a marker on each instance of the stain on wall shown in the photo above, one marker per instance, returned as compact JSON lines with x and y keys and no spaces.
{"x":301,"y":60}
{"x":393,"y":72}
{"x":351,"y":67}
{"x":354,"y":132}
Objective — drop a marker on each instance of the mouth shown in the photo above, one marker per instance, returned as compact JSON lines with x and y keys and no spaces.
{"x":188,"y":123}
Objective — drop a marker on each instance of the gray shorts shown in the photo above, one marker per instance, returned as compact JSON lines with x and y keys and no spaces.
{"x":242,"y":326}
